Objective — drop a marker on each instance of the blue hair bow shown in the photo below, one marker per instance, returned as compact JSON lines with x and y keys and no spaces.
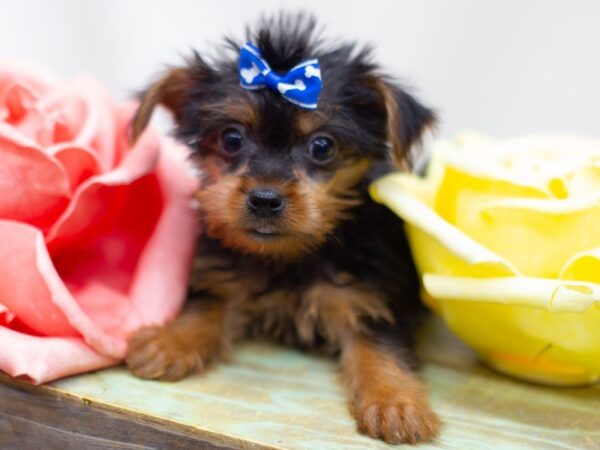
{"x":301,"y":85}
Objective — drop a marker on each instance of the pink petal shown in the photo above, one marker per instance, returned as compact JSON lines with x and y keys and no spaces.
{"x":80,"y":112}
{"x":23,"y":289}
{"x":5,"y":315}
{"x":85,"y":116}
{"x":101,"y":198}
{"x":118,"y":273}
{"x":173,"y":240}
{"x":79,"y":163}
{"x":18,"y":100}
{"x":36,"y":80}
{"x":100,"y":269}
{"x":20,"y":89}
{"x":32,"y":289}
{"x":43,"y":359}
{"x":101,"y":130}
{"x":120,"y":232}
{"x":35,"y":188}
{"x":63,"y":115}
{"x":22,"y":113}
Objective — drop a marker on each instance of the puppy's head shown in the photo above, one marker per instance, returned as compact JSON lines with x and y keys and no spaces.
{"x":278,"y":179}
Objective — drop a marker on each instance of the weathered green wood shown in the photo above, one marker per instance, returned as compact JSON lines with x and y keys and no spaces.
{"x":33,"y":418}
{"x":276,"y":397}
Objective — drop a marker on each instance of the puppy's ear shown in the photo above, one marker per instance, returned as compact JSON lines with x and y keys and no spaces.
{"x":169,"y":90}
{"x":406,"y":120}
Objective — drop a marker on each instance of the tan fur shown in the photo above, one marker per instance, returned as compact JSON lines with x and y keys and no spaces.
{"x":387,"y":400}
{"x":240,"y":306}
{"x":324,"y":310}
{"x":313,"y":211}
{"x":399,"y":150}
{"x":167,"y":91}
{"x":186,"y":345}
{"x":308,"y":122}
{"x":236,"y":111}
{"x":335,"y":311}
{"x":240,"y":295}
{"x":204,"y":332}
{"x":330,"y":200}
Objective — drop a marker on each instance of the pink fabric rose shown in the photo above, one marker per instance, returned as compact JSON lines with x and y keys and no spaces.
{"x":96,"y":237}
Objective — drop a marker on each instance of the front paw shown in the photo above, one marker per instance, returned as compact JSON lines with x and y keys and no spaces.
{"x":159,"y":353}
{"x":400,"y":418}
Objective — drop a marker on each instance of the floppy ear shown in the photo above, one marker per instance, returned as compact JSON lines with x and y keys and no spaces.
{"x":406,"y":121}
{"x":169,"y":90}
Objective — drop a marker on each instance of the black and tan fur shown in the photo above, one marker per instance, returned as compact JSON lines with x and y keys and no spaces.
{"x":337,"y":274}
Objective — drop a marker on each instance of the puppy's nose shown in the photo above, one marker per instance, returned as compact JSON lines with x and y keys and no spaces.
{"x":264,"y":202}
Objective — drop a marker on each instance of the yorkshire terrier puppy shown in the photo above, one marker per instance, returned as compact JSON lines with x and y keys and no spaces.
{"x":288,"y":133}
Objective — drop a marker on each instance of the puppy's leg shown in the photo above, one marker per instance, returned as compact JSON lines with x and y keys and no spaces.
{"x":386,"y":398}
{"x":186,"y":345}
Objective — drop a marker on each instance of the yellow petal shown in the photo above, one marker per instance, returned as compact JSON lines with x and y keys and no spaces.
{"x":461,"y":196}
{"x":481,"y":170}
{"x":586,"y":181}
{"x":546,"y":330}
{"x":541,"y":293}
{"x":539,"y":236}
{"x":487,"y":214}
{"x":436,"y":244}
{"x":535,"y":160}
{"x":584,"y":266}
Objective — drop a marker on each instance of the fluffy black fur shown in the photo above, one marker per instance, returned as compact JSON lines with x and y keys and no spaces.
{"x":371,"y":245}
{"x":367,"y":114}
{"x":358,"y":116}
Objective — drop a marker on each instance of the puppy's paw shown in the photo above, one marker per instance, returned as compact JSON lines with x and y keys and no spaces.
{"x":403,"y":418}
{"x":159,"y":353}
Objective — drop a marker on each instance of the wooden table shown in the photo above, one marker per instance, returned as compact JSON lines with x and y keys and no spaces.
{"x":272,"y":397}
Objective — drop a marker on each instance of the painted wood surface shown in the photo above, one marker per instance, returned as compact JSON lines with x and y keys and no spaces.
{"x":273,"y":397}
{"x":34,"y":418}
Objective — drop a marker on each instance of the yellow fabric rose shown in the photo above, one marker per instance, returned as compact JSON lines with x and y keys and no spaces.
{"x":506,"y":235}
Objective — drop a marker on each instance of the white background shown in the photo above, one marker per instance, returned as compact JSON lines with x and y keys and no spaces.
{"x":503,"y":67}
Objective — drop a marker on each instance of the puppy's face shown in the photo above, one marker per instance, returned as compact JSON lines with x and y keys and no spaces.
{"x":277,"y":179}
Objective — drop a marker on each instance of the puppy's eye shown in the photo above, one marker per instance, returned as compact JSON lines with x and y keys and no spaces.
{"x":231,"y":140}
{"x":322,"y":149}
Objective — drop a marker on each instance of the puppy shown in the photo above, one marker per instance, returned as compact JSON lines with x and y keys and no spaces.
{"x":288,"y":132}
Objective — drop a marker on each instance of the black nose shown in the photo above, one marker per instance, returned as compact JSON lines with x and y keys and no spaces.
{"x":265,"y":202}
